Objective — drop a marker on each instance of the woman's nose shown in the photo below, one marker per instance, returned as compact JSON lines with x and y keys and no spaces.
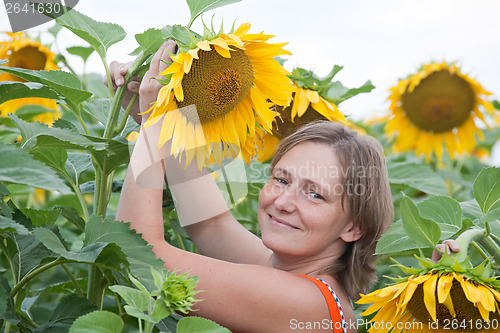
{"x":286,"y":200}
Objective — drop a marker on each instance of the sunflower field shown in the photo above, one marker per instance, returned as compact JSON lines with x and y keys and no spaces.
{"x":66,"y":264}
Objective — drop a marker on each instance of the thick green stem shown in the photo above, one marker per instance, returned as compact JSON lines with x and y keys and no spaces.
{"x":95,"y":287}
{"x":73,"y":280}
{"x":120,"y":93}
{"x":76,"y":111}
{"x":464,"y":240}
{"x":108,"y":76}
{"x":492,"y":247}
{"x":79,"y":195}
{"x":103,"y":181}
{"x":27,"y":278}
{"x":120,"y":127}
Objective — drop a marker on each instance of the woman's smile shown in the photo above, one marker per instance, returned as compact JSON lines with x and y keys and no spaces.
{"x":281,"y":223}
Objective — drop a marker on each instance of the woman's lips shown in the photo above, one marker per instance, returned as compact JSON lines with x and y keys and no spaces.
{"x":281,"y":223}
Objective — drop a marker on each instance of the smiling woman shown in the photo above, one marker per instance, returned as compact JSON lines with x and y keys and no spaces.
{"x":317,"y":242}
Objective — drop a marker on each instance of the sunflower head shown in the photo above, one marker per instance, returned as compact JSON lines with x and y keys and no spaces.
{"x":315,"y":98}
{"x":218,"y":90}
{"x":438,"y":106}
{"x":24,"y":52}
{"x":438,"y":294}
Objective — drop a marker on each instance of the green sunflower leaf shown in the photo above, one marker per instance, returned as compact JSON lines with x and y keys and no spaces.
{"x":41,"y":217}
{"x":150,"y":40}
{"x":100,"y":35}
{"x":65,"y":84}
{"x":394,"y":240}
{"x":471,"y":209}
{"x":18,"y":166}
{"x":198,"y":7}
{"x":487,"y":189}
{"x":139,"y":254}
{"x":70,"y":307}
{"x":417,"y":176}
{"x":8,"y":225}
{"x":81,"y":51}
{"x":97,"y":322}
{"x":88,"y":254}
{"x":133,"y":297}
{"x":199,"y":325}
{"x":424,"y":232}
{"x":14,"y":90}
{"x":42,"y":136}
{"x":337,"y":93}
{"x":445,"y":211}
{"x":185,"y":38}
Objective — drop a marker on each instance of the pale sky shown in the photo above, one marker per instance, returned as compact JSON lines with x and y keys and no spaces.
{"x":377,"y":40}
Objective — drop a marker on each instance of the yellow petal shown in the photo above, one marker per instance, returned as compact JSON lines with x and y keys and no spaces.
{"x":429,"y":295}
{"x":302,"y":102}
{"x":312,"y":96}
{"x":242,"y":29}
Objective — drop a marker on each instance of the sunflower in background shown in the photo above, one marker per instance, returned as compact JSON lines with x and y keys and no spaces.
{"x":316,"y":98}
{"x":217,"y":94}
{"x":438,"y":106}
{"x":24,"y":52}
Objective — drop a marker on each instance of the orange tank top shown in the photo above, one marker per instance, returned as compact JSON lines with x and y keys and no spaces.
{"x":339,"y":324}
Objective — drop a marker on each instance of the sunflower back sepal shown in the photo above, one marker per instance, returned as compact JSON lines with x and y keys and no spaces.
{"x":405,"y":269}
{"x":483,"y":270}
{"x":426,"y":263}
{"x":447,"y":260}
{"x":185,"y":38}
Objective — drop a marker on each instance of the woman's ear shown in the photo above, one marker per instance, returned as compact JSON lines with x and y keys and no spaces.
{"x":352,"y":233}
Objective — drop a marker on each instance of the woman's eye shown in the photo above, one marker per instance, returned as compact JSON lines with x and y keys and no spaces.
{"x":280,"y":180}
{"x":316,"y":196}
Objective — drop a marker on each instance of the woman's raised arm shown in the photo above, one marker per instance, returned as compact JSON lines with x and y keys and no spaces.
{"x":199,"y":203}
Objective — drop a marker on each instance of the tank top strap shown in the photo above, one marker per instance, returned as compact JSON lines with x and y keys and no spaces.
{"x":333,"y":302}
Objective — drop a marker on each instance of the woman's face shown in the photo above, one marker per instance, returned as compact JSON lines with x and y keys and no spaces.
{"x":300,"y":208}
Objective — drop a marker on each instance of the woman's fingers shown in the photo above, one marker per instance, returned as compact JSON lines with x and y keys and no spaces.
{"x":117,"y":72}
{"x":161,"y":58}
{"x":449,"y":245}
{"x":452,"y":245}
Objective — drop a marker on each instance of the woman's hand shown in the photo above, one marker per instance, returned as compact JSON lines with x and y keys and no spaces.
{"x":450,"y":245}
{"x":149,"y":88}
{"x":117,"y":71}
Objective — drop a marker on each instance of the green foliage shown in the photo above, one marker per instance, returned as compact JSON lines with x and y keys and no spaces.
{"x":487,"y":189}
{"x":98,"y":322}
{"x":100,"y":35}
{"x":424,"y":232}
{"x":82,"y":52}
{"x":18,"y":166}
{"x":139,"y":254}
{"x":14,"y":90}
{"x":65,"y":84}
{"x":333,"y":91}
{"x":417,"y":176}
{"x":200,"y":325}
{"x":198,"y":7}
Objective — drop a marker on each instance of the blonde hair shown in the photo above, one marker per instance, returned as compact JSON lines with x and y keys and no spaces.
{"x":366,"y":193}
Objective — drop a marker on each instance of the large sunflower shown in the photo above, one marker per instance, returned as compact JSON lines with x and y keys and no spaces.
{"x":437,"y":106}
{"x":218,"y":95}
{"x":439,"y":298}
{"x":24,"y":52}
{"x":315,"y":98}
